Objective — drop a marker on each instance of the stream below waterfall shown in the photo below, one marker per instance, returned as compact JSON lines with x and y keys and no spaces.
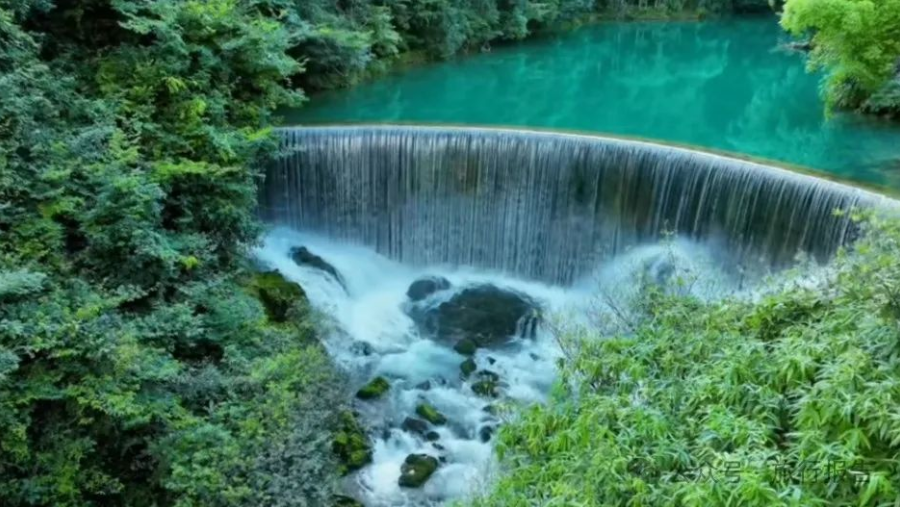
{"x":369,"y":332}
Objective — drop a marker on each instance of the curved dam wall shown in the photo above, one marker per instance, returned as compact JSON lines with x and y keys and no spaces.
{"x":547,"y":206}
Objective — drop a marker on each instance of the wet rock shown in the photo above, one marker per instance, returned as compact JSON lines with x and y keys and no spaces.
{"x":424,"y":287}
{"x":485,"y":388}
{"x":413,"y":425}
{"x":374,"y":389}
{"x":491,"y":360}
{"x":303,"y":257}
{"x":416,"y":469}
{"x":467,"y":367}
{"x":466,"y":347}
{"x":431,"y":436}
{"x":485,"y":314}
{"x":438,"y":446}
{"x":277,"y":294}
{"x":430,"y":414}
{"x":350,"y":444}
{"x":424,"y":386}
{"x":490,"y":409}
{"x":488,"y":384}
{"x":485,"y":433}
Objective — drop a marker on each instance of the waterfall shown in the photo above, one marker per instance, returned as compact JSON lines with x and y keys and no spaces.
{"x":541,"y":205}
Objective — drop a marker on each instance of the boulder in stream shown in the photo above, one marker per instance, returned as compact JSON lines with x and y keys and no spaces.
{"x":416,"y":469}
{"x":467,"y":367}
{"x":466,"y":347}
{"x":413,"y":425}
{"x":486,"y":315}
{"x":374,"y":389}
{"x":430,"y":414}
{"x":426,"y":286}
{"x":487,"y":385}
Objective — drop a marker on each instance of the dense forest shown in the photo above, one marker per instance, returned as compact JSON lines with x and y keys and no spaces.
{"x":145,"y":361}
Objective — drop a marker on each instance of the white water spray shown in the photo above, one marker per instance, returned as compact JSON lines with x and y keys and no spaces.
{"x":374,"y":335}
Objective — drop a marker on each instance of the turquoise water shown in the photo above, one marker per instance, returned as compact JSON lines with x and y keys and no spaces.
{"x":721,"y":85}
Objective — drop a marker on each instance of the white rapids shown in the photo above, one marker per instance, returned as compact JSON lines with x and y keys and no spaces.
{"x":370,"y":334}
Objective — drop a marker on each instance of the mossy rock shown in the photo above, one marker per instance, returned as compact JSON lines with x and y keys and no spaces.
{"x":466,"y":347}
{"x":487,"y":385}
{"x":467,"y":367}
{"x":350,"y":444}
{"x":416,"y":469}
{"x":374,"y":389}
{"x":430,"y":414}
{"x":277,"y":294}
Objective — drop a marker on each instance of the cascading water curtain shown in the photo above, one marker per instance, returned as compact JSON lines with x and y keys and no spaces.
{"x":547,"y":206}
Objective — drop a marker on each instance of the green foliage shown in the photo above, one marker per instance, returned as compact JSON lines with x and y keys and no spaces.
{"x":857,"y":42}
{"x":137,"y":365}
{"x":728,"y":403}
{"x":350,"y":443}
{"x":339,"y":42}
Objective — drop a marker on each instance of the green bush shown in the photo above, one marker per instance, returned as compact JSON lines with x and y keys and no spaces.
{"x":788,"y":400}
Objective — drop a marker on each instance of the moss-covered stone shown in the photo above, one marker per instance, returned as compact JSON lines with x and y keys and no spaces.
{"x":350,"y":444}
{"x":487,"y":385}
{"x":416,"y":469}
{"x":485,"y":388}
{"x":466,"y":347}
{"x":467,"y":367}
{"x":374,"y":389}
{"x":430,"y":414}
{"x":277,"y":294}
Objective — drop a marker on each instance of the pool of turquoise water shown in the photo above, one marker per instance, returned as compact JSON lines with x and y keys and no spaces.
{"x":723,"y":85}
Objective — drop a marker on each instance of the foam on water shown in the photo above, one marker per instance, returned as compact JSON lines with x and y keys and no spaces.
{"x":370,"y":311}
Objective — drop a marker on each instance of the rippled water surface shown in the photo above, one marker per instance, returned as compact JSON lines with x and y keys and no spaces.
{"x":722,"y":85}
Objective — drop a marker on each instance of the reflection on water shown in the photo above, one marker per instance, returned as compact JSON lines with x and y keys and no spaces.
{"x":722,"y":85}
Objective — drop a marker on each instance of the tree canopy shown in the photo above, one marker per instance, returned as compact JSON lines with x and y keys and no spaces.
{"x":857,"y":42}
